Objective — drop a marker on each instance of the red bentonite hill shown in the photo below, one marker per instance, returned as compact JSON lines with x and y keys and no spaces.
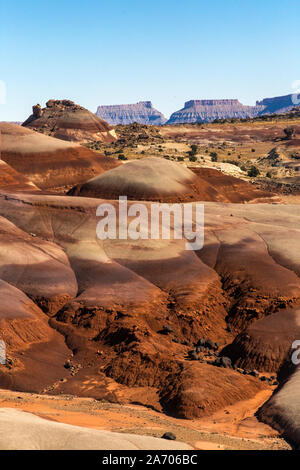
{"x":48,"y":162}
{"x":134,"y":313}
{"x":156,"y":179}
{"x":146,"y":321}
{"x":66,"y":120}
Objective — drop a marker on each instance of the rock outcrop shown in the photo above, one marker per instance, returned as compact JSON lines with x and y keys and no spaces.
{"x":141,"y":112}
{"x":66,"y":120}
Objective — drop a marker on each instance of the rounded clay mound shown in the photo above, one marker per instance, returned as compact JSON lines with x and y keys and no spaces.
{"x":148,"y":179}
{"x":48,"y":162}
{"x":66,"y":120}
{"x":265,"y":344}
{"x":156,"y":179}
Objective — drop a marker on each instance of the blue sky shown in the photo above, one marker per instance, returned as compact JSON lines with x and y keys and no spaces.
{"x":109,"y":52}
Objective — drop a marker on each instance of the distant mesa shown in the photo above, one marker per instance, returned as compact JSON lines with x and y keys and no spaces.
{"x":279,"y":104}
{"x":47,"y":162}
{"x":156,"y":179}
{"x":211,"y":110}
{"x":66,"y":120}
{"x":141,"y":112}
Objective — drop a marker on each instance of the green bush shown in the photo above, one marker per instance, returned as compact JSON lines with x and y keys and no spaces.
{"x":214,"y":156}
{"x":253,"y":172}
{"x":232,"y":162}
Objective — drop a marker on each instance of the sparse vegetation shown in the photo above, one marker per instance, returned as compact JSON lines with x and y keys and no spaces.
{"x":185,"y":144}
{"x":214,"y":156}
{"x":232,"y":162}
{"x":289,"y":132}
{"x":253,"y":172}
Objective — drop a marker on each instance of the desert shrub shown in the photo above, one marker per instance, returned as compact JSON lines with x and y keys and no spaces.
{"x":193,"y":158}
{"x":122,"y":157}
{"x":180,"y":159}
{"x":269,"y":174}
{"x":214,"y":156}
{"x":253,"y":172}
{"x":289,"y":132}
{"x":232,"y":162}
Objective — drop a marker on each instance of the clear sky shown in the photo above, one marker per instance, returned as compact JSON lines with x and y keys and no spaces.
{"x":167,"y":51}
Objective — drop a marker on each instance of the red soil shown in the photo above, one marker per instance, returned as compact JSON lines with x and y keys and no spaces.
{"x":47,"y":162}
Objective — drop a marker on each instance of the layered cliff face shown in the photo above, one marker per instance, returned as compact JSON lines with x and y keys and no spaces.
{"x":66,"y":120}
{"x":279,"y":104}
{"x":209,"y":110}
{"x":141,"y":112}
